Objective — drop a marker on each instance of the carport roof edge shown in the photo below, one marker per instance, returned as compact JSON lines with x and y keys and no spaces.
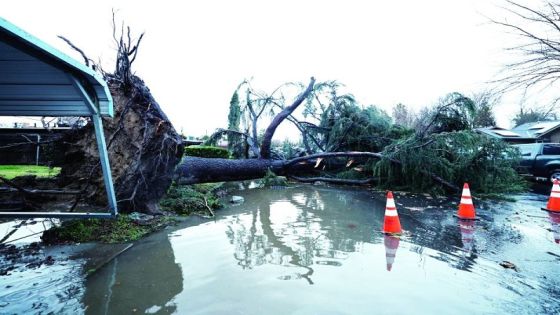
{"x":62,"y":61}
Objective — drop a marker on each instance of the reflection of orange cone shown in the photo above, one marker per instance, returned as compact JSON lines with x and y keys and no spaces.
{"x":392,"y":224}
{"x":555,"y":222}
{"x":467,"y":233}
{"x":553,"y":204}
{"x":391,"y":246}
{"x":466,"y":207}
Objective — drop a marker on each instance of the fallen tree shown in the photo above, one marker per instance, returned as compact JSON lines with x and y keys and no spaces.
{"x":362,"y":146}
{"x":195,"y":170}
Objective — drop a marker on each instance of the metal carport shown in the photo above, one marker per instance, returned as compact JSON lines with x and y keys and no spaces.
{"x":39,"y":80}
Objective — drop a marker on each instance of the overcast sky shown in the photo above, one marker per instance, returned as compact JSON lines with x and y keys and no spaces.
{"x":195,"y":53}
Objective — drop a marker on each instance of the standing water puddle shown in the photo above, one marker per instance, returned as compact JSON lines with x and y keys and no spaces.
{"x":318,"y":250}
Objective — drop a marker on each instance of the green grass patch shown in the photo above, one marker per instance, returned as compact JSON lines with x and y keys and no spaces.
{"x":12,"y":171}
{"x":121,"y":230}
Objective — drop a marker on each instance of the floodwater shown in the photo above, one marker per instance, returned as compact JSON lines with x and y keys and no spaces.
{"x":318,"y":250}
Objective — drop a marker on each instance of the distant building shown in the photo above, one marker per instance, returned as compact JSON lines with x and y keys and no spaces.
{"x":540,"y":131}
{"x":191,"y":140}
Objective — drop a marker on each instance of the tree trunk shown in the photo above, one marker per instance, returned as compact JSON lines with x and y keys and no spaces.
{"x":204,"y":170}
{"x":200,"y":170}
{"x":269,"y":132}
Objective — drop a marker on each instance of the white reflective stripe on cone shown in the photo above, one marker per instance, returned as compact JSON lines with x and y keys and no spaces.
{"x":466,"y":201}
{"x":466,"y":192}
{"x":390,"y":251}
{"x":391,"y":203}
{"x":555,"y":194}
{"x":391,"y":213}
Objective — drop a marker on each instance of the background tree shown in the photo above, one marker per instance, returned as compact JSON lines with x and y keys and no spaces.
{"x":537,"y":63}
{"x":484,"y":109}
{"x":403,"y":116}
{"x":453,"y":112}
{"x":534,"y":114}
{"x":235,"y":145}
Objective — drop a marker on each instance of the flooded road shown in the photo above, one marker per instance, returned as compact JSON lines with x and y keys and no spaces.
{"x":319,"y":250}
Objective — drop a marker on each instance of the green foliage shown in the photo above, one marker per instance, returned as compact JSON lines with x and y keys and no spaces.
{"x":487,"y":164}
{"x":288,"y":149}
{"x":206,"y":151}
{"x":352,"y":128}
{"x":484,"y":115}
{"x":186,"y":199}
{"x":351,"y":174}
{"x":454,"y":112}
{"x":123,"y":229}
{"x":271,"y":179}
{"x":234,"y":116}
{"x":12,"y":171}
{"x":234,"y":119}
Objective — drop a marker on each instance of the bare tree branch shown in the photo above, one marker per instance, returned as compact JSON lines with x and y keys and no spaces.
{"x":81,"y":52}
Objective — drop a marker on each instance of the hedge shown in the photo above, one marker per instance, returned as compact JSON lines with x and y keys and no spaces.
{"x":206,"y":151}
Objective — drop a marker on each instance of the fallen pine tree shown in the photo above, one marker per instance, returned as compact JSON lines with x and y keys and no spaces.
{"x":439,"y":156}
{"x":194,"y":170}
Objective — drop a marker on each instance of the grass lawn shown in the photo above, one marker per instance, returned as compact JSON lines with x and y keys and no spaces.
{"x":11,"y":171}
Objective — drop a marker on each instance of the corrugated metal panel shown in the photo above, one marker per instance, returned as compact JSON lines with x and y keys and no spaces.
{"x":30,"y":72}
{"x":42,"y":92}
{"x":34,"y":79}
{"x":10,"y":53}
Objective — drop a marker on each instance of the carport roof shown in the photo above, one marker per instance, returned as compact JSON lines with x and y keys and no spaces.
{"x":38,"y":80}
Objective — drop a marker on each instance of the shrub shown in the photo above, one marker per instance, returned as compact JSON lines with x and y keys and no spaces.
{"x":184,"y":200}
{"x":271,"y":179}
{"x":206,"y":151}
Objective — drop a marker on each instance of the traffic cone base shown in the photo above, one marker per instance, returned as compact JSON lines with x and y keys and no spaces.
{"x":549,"y":210}
{"x":553,"y":204}
{"x":466,"y":207}
{"x":467,"y":219}
{"x":391,"y":224}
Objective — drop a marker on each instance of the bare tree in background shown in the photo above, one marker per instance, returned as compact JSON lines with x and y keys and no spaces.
{"x":404,"y":115}
{"x":538,"y":63}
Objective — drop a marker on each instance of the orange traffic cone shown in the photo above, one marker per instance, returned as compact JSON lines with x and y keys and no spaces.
{"x":555,"y":222}
{"x":466,"y":207}
{"x":392,"y":224}
{"x":553,"y":204}
{"x":467,"y":232}
{"x":391,"y":246}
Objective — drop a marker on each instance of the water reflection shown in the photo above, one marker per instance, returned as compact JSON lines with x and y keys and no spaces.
{"x":288,"y":231}
{"x":143,"y":280}
{"x":554,"y":219}
{"x":391,"y":246}
{"x":467,"y":228}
